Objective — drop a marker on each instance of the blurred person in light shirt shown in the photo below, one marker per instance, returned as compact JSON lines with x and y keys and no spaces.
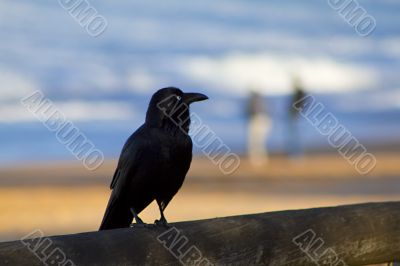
{"x":259,"y":127}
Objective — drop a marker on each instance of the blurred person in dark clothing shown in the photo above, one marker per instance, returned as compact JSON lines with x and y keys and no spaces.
{"x":294,"y":148}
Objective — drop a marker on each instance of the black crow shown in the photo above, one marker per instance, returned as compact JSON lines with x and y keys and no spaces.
{"x":154,"y":161}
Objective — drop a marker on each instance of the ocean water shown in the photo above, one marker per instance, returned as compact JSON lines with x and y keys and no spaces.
{"x":33,"y":142}
{"x":221,"y":48}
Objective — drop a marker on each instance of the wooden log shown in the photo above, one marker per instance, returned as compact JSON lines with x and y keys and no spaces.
{"x":346,"y":235}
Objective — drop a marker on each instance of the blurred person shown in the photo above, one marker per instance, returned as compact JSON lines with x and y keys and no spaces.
{"x":294,"y":149}
{"x":259,"y":126}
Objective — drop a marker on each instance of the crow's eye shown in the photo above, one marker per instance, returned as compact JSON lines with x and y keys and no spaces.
{"x":178,"y":98}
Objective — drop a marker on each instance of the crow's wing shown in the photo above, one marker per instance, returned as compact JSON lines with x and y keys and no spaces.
{"x":115,"y":178}
{"x":129,"y":155}
{"x":118,"y":213}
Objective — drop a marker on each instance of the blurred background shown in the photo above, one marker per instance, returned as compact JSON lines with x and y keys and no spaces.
{"x":250,"y":57}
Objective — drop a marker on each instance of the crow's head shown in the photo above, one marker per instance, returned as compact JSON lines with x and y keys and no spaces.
{"x":170,"y":107}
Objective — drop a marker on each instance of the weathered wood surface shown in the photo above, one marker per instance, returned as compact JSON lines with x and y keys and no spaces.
{"x":352,"y":235}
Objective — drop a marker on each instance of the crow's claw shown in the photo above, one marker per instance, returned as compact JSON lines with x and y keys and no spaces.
{"x":162,"y":222}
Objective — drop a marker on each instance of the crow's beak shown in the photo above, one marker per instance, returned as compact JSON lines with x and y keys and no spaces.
{"x":194,"y":97}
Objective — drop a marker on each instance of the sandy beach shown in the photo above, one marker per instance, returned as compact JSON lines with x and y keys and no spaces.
{"x":65,"y":198}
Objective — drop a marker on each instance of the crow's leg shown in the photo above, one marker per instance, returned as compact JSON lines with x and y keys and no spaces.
{"x":136,"y":217}
{"x":162,"y":220}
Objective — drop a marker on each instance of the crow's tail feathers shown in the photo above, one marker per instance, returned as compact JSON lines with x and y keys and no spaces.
{"x":117,"y":215}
